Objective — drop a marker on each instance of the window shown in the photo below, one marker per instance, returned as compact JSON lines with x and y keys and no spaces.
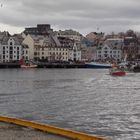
{"x":116,"y":43}
{"x":35,"y":53}
{"x":11,"y":48}
{"x":11,"y":43}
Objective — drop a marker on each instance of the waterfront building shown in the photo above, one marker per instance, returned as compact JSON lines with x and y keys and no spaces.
{"x":11,"y":49}
{"x":50,"y":48}
{"x":130,"y":47}
{"x":25,"y":52}
{"x":75,"y":53}
{"x":37,"y":45}
{"x":111,"y":49}
{"x":88,"y":53}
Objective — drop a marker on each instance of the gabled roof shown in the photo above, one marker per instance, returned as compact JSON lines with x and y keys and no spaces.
{"x":5,"y":40}
{"x":57,"y":42}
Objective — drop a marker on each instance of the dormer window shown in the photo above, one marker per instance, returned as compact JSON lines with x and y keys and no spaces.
{"x":11,"y":43}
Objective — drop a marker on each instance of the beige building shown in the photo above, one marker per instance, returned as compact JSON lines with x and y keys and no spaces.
{"x":49,"y":48}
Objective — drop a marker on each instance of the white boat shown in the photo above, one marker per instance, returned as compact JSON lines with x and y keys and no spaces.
{"x":97,"y":65}
{"x":28,"y":66}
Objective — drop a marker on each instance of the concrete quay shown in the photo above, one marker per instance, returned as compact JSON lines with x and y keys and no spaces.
{"x":44,"y":65}
{"x":18,"y":129}
{"x":15,"y":132}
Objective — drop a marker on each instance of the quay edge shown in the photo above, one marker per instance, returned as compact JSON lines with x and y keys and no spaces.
{"x":44,"y":65}
{"x":50,"y":129}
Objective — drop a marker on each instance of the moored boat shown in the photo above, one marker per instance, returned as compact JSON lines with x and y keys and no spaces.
{"x":136,"y":69}
{"x":97,"y":65}
{"x":28,"y":66}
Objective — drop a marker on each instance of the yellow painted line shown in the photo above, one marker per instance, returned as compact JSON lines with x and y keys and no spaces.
{"x":50,"y":129}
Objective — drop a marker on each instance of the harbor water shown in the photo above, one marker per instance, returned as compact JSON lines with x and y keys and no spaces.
{"x":85,"y":100}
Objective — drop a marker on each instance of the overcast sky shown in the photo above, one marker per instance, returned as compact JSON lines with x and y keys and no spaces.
{"x":82,"y":15}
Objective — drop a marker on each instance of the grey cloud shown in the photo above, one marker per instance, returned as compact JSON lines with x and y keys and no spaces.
{"x":77,"y":14}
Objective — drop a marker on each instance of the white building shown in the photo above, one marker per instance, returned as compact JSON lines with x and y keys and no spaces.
{"x":75,"y":53}
{"x":111,"y":49}
{"x":11,"y":49}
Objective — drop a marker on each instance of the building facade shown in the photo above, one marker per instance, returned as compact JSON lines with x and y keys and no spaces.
{"x":111,"y":50}
{"x":75,"y":53}
{"x":51,"y":48}
{"x":11,"y":49}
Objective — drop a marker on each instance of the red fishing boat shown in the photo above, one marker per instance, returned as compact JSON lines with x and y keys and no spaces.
{"x":117,"y":72}
{"x":26,"y":65}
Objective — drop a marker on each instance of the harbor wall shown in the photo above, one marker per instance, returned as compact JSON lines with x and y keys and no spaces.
{"x":50,"y":129}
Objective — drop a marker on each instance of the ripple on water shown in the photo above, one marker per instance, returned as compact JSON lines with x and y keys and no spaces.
{"x":86,"y":100}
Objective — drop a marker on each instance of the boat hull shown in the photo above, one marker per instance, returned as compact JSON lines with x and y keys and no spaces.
{"x":136,"y":69}
{"x":119,"y":73}
{"x":98,"y":66}
{"x":30,"y":66}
